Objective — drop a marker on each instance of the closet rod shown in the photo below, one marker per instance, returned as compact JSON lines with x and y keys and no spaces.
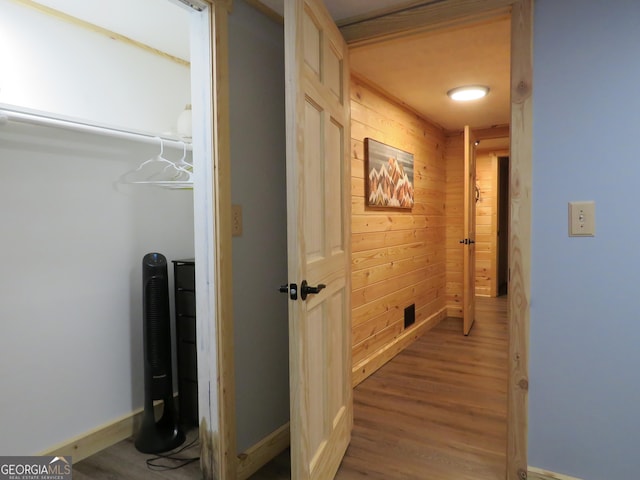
{"x":11,"y":115}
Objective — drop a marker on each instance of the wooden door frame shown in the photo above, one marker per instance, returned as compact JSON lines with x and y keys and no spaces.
{"x":447,"y":14}
{"x":216,"y":380}
{"x":217,"y":428}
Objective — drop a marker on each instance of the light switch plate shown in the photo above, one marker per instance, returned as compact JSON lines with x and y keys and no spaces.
{"x":582,"y":221}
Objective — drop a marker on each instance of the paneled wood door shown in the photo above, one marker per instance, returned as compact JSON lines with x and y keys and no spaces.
{"x":469,"y":241}
{"x":318,"y":214}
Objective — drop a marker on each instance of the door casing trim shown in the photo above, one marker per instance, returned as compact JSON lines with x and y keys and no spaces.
{"x":221,"y":446}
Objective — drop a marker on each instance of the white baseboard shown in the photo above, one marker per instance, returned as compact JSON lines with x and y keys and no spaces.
{"x":540,"y":474}
{"x":101,"y":437}
{"x":250,"y":461}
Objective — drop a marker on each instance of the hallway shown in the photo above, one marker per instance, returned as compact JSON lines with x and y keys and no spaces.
{"x":437,"y":411}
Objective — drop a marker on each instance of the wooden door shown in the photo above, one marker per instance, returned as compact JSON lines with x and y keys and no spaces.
{"x":318,"y":215}
{"x":469,"y":241}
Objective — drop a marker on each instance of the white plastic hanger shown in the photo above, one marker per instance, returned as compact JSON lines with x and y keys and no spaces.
{"x":172,"y":175}
{"x":183,"y":161}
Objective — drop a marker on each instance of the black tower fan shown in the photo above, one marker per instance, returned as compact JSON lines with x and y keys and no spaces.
{"x":165,"y":434}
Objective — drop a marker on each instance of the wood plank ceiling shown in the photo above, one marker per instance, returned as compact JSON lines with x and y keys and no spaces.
{"x":418,"y":70}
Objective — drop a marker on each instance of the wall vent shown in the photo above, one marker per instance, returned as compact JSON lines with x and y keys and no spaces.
{"x":409,"y":315}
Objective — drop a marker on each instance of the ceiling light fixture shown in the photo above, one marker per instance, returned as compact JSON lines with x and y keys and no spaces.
{"x":469,"y":92}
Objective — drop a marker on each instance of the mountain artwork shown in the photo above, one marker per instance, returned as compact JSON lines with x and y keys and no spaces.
{"x":390,"y":178}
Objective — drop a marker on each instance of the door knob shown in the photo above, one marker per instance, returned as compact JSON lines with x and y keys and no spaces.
{"x":305,"y":289}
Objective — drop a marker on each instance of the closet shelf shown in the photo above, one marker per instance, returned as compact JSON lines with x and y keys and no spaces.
{"x":13,"y":114}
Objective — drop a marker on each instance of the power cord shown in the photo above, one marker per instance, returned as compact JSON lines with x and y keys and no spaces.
{"x":171,"y":456}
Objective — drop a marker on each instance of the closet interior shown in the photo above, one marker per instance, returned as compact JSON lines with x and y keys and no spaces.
{"x":97,"y":170}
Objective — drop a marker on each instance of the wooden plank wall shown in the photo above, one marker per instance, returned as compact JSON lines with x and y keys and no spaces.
{"x":487,"y":224}
{"x":398,"y":256}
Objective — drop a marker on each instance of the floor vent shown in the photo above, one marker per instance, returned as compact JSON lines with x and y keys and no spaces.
{"x":409,"y":315}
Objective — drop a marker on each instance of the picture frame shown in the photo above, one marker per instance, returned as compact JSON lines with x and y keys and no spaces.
{"x":389,"y":179}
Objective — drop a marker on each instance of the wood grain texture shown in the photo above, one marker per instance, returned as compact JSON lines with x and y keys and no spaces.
{"x":486,"y":216}
{"x":422,"y":18}
{"x":437,"y":410}
{"x":469,"y":261}
{"x":398,"y":255}
{"x":254,"y":458}
{"x":454,"y":215}
{"x":318,"y":238}
{"x":219,"y":450}
{"x":395,"y":345}
{"x":123,"y":461}
{"x":102,"y":437}
{"x":520,"y":235}
{"x":487,"y":223}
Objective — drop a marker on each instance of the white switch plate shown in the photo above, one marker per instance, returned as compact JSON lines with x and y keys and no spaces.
{"x":582,"y":219}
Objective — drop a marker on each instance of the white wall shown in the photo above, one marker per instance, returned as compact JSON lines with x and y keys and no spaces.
{"x":71,"y":248}
{"x":55,"y":66}
{"x":585,"y":333}
{"x":256,"y":69}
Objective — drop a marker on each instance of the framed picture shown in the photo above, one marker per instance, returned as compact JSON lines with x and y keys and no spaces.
{"x":389,"y":180}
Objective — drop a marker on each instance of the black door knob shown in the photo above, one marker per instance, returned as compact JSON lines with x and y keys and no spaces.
{"x":305,"y":289}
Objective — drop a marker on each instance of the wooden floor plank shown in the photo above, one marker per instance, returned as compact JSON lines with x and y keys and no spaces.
{"x":437,"y":411}
{"x":123,"y":461}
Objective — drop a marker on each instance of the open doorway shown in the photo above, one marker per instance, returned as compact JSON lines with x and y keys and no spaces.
{"x":503,"y":225}
{"x":491,"y":214}
{"x":390,"y":247}
{"x":521,"y":73}
{"x":380,"y":103}
{"x":86,"y":101}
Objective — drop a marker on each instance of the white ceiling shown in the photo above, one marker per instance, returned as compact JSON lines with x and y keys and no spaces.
{"x":161,"y":24}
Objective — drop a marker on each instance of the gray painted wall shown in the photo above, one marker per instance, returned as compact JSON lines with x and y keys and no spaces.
{"x":256,"y":64}
{"x":585,"y":322}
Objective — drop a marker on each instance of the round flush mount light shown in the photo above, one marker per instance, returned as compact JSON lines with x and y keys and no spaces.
{"x":469,"y":92}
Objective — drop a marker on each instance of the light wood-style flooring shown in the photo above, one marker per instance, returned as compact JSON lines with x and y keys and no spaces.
{"x":437,"y":411}
{"x":123,"y":462}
